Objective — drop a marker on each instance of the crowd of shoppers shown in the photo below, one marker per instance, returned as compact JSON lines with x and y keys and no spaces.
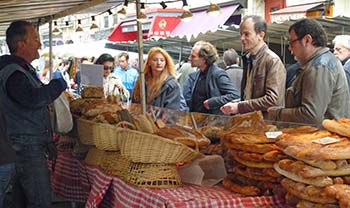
{"x":313,"y":89}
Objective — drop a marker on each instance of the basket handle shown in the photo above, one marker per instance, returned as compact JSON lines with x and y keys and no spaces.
{"x":126,"y":123}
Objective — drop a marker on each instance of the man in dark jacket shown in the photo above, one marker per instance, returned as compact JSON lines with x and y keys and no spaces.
{"x":24,"y":101}
{"x":212,"y":87}
{"x":7,"y":160}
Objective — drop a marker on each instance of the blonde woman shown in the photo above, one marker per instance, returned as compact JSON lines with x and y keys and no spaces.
{"x":162,"y":89}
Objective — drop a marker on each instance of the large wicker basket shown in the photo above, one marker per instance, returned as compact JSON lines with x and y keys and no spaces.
{"x":142,"y":147}
{"x":87,"y":131}
{"x":103,"y":136}
{"x":94,"y":157}
{"x":152,"y":175}
{"x":140,"y":174}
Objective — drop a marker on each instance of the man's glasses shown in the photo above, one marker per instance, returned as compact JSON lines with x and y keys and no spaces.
{"x":291,"y":42}
{"x":108,"y":67}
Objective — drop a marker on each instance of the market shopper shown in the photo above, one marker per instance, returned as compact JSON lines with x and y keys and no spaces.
{"x":112,"y":85}
{"x":162,"y":89}
{"x":264,"y":75}
{"x":212,"y":87}
{"x":24,"y":100}
{"x":233,"y":70}
{"x":342,"y":52}
{"x":320,"y":90}
{"x":127,"y":74}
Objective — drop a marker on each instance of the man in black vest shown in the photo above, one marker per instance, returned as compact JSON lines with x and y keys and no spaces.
{"x":24,"y":101}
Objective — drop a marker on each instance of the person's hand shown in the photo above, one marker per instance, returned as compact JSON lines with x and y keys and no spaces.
{"x":229,"y":108}
{"x":51,"y":151}
{"x":206,"y":104}
{"x":57,"y":74}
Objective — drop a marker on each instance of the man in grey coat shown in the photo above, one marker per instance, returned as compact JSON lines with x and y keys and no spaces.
{"x":320,"y":89}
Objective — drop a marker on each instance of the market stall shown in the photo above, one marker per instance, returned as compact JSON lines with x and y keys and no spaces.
{"x":79,"y":182}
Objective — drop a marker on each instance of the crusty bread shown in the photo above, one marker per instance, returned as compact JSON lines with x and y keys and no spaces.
{"x":245,"y":190}
{"x":306,"y":192}
{"x":341,"y":126}
{"x":321,"y":181}
{"x":308,"y":204}
{"x":250,"y":173}
{"x":307,"y":171}
{"x":92,"y":92}
{"x":323,"y":164}
{"x":249,"y":163}
{"x":340,"y":192}
{"x":256,"y":148}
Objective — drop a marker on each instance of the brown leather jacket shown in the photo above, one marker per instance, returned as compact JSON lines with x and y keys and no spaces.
{"x":268,"y":82}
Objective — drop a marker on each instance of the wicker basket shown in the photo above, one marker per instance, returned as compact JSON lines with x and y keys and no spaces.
{"x":104,"y":136}
{"x":153,"y":175}
{"x":94,"y":157}
{"x":142,"y":147}
{"x":114,"y":164}
{"x":140,"y":174}
{"x":87,"y":131}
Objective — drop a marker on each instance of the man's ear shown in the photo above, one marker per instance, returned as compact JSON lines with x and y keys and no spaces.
{"x":261,"y":35}
{"x":308,"y":40}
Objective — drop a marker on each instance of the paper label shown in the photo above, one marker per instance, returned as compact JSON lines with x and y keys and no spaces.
{"x":326,"y":140}
{"x":273,"y":134}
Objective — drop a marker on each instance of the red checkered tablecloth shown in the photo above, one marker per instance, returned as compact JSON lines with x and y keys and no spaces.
{"x":78,"y":182}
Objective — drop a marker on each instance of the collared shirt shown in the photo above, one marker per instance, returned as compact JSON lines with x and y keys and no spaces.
{"x":128,"y":77}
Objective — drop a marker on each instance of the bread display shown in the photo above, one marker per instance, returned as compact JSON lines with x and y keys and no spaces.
{"x":318,"y":174}
{"x":92,"y":92}
{"x":341,"y":126}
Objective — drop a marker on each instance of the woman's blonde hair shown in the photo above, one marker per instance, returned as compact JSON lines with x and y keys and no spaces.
{"x":154,"y":83}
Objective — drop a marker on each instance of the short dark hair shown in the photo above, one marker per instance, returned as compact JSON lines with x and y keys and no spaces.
{"x":17,"y":31}
{"x":230,"y":57}
{"x":207,"y":51}
{"x":125,"y":54}
{"x":259,"y":23}
{"x":310,"y":27}
{"x":103,"y":58}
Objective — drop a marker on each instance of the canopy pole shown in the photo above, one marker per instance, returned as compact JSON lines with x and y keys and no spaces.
{"x":50,"y":48}
{"x":140,"y":50}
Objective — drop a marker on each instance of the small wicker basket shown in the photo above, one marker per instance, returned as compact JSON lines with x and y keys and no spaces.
{"x":142,"y":147}
{"x":94,"y":157}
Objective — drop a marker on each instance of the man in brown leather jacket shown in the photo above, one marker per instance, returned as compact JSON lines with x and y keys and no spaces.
{"x":264,"y":75}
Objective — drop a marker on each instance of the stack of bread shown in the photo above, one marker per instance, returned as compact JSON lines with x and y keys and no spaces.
{"x":254,"y":154}
{"x":318,"y":170}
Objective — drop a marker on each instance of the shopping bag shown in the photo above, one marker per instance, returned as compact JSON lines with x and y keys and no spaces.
{"x":62,"y":121}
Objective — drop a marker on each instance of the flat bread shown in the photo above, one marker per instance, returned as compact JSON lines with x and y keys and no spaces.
{"x":238,"y":157}
{"x":340,"y":192}
{"x":256,"y":148}
{"x":306,"y":192}
{"x":341,"y":126}
{"x":321,"y":181}
{"x":307,"y":171}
